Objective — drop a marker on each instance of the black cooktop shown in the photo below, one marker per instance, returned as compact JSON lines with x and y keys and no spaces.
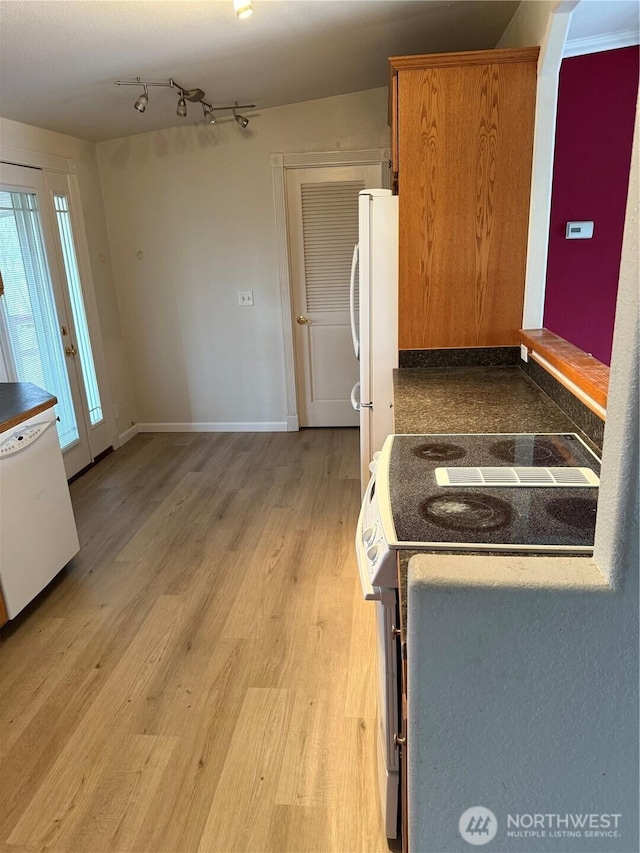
{"x":506,"y":518}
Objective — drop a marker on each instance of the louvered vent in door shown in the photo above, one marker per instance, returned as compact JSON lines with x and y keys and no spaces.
{"x":330,"y":231}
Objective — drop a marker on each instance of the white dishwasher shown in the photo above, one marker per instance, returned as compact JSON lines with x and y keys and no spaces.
{"x":38,"y":533}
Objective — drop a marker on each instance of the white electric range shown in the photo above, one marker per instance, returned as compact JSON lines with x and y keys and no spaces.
{"x":466,"y":493}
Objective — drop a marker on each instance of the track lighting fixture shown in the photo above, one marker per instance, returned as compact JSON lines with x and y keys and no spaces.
{"x":143,"y":100}
{"x":193,"y":95}
{"x":243,"y":8}
{"x":182,"y":106}
{"x":242,"y":120}
{"x":209,"y":115}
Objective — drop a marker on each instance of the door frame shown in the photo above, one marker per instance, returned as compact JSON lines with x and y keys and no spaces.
{"x":279,"y":163}
{"x":68,"y":167}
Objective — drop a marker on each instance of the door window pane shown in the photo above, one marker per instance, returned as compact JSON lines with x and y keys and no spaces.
{"x":63,"y":219}
{"x":29,"y":308}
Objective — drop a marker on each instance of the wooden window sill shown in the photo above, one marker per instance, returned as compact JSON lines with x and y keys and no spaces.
{"x":581,"y":373}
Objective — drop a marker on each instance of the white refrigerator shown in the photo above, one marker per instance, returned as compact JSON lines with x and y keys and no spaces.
{"x":374,"y":320}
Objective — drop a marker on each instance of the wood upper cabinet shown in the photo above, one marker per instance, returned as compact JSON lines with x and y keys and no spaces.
{"x":462,"y":140}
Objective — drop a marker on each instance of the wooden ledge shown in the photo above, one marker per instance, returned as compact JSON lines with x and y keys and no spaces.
{"x":581,"y":371}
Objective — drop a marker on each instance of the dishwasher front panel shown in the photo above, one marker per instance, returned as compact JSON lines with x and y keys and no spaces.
{"x":38,"y":533}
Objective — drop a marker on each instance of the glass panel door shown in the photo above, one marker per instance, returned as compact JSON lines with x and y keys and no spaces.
{"x":35,"y":328}
{"x":63,"y":219}
{"x":75,"y":271}
{"x":30,"y":318}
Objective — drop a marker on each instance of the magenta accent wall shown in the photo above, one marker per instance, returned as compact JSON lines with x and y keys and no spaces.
{"x":594,"y":134}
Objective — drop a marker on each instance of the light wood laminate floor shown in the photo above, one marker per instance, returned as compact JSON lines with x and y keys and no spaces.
{"x":201,"y":677}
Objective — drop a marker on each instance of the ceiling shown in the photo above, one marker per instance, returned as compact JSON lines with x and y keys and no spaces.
{"x":59,"y":58}
{"x":593,"y":18}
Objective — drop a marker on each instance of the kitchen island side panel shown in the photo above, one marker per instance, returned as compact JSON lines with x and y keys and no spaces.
{"x":507,"y":711}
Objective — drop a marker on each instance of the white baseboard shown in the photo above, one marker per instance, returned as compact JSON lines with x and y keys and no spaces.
{"x":260,"y":426}
{"x":292,"y":423}
{"x":125,"y":436}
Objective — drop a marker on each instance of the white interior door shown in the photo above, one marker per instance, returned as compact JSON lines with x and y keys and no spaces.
{"x":43,"y":333}
{"x":322,"y":223}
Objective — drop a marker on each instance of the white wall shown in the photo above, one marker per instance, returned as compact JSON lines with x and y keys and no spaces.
{"x":546,"y":24}
{"x":16,"y":135}
{"x":529,"y":24}
{"x":617,"y":541}
{"x":191,"y":221}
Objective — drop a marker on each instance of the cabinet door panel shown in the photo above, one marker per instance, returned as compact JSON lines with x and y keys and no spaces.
{"x":465,"y":138}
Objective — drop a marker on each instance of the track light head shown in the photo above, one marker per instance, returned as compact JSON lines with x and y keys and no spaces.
{"x":243,"y":8}
{"x":181,"y":109}
{"x":142,"y":101}
{"x":209,"y":115}
{"x":242,"y":120}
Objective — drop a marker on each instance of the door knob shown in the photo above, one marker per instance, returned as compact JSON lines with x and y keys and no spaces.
{"x":302,"y":320}
{"x":69,"y":351}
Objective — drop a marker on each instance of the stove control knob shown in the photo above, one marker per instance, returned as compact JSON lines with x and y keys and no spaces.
{"x":369,"y":534}
{"x":372,"y":553}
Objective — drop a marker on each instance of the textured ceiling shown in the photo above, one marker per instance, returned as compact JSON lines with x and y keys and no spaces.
{"x":59,"y":58}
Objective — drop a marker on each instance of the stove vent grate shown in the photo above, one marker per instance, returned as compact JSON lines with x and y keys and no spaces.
{"x":519,"y":476}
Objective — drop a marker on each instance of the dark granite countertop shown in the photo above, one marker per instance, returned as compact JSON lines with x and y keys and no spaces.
{"x":20,"y":401}
{"x":471,"y":400}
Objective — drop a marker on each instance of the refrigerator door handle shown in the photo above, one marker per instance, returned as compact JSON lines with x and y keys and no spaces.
{"x":358,"y":404}
{"x":352,"y":303}
{"x":354,"y":400}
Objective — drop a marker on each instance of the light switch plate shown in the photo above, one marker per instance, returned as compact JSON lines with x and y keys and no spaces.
{"x":245,"y":297}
